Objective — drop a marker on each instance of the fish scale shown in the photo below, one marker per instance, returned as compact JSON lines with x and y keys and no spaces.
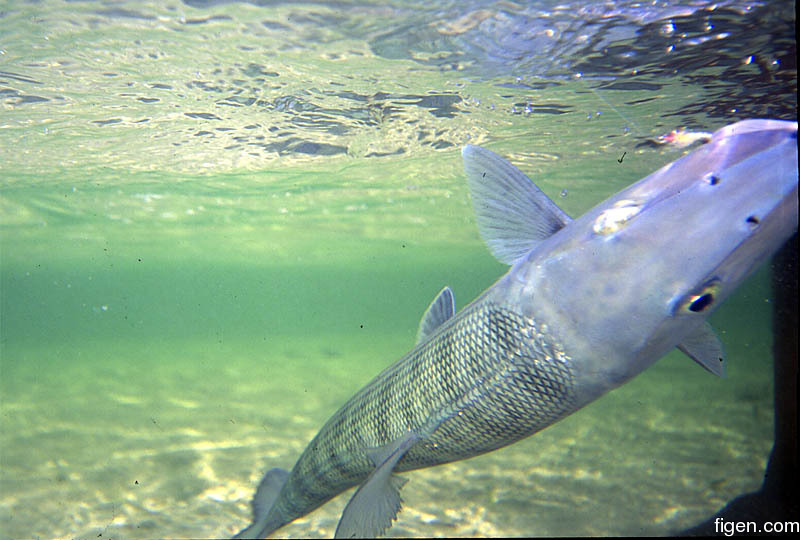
{"x":620,"y":286}
{"x":486,"y":380}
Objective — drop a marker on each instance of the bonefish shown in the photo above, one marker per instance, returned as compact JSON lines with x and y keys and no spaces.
{"x":587,"y":304}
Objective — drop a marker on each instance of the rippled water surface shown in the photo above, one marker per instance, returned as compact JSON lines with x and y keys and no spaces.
{"x":218,"y":220}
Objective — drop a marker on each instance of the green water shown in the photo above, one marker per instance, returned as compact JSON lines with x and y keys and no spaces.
{"x":217,"y":224}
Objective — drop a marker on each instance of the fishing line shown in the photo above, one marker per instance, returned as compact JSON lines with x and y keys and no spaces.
{"x":631,"y":124}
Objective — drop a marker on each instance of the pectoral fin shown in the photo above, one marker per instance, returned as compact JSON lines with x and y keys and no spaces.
{"x":512,"y":213}
{"x":377,"y":501}
{"x":704,"y":347}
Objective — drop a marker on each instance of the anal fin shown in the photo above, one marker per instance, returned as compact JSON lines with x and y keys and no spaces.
{"x":377,"y":501}
{"x":267,"y":493}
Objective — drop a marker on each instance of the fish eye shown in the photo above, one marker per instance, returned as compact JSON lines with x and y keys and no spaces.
{"x":698,"y":304}
{"x":701,"y":300}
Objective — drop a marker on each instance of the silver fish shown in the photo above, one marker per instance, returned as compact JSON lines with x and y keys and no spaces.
{"x":587,"y":305}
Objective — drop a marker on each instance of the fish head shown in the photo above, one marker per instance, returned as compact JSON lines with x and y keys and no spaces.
{"x":635,"y":276}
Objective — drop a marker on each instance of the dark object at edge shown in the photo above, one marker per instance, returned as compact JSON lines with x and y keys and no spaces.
{"x":777,"y":500}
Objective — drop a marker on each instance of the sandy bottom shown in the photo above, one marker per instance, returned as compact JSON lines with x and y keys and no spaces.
{"x":169,"y":440}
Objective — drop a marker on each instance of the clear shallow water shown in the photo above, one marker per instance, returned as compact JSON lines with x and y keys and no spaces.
{"x":219,"y":221}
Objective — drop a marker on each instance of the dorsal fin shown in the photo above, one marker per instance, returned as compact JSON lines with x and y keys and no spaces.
{"x":704,"y":347}
{"x":512,"y":213}
{"x":441,"y":309}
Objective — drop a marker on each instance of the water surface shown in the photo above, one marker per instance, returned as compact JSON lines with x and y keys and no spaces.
{"x":219,"y":220}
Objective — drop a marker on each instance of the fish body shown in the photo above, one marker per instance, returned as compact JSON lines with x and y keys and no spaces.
{"x":586,"y":305}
